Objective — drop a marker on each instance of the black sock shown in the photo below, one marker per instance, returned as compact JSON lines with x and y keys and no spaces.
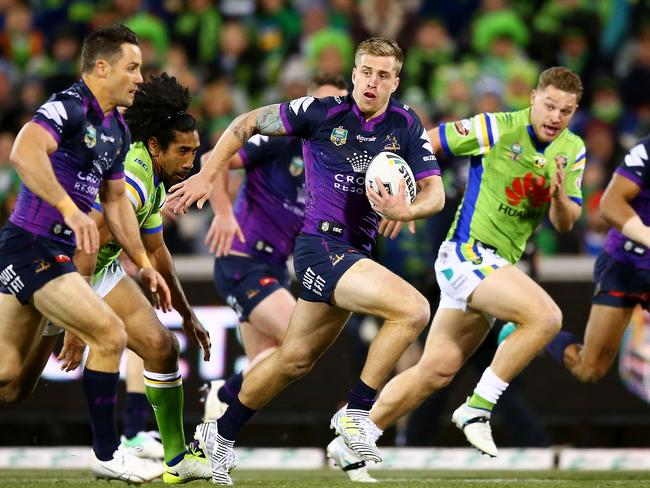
{"x":230,"y":389}
{"x":101,"y":395}
{"x":237,"y":415}
{"x":136,"y":414}
{"x":362,"y":397}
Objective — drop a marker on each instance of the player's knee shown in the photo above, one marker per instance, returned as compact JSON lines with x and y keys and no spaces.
{"x":549,"y":322}
{"x":415,"y":313}
{"x":297,"y":364}
{"x":110,"y":336}
{"x":162,"y":347}
{"x":15,"y":392}
{"x":437,"y":372}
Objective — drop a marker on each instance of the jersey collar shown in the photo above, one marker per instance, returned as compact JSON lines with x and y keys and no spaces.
{"x":92,"y":100}
{"x":367,"y":125}
{"x":539,"y":145}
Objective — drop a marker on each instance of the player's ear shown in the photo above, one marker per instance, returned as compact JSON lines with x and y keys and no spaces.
{"x":102,"y":68}
{"x":532,"y":96}
{"x":395,"y":85}
{"x":153,"y":146}
{"x":354,"y":74}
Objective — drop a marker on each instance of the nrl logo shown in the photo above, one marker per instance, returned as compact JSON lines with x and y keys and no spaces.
{"x":339,"y":136}
{"x":90,"y":138}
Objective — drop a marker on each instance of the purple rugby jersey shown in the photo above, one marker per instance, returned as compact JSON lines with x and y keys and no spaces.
{"x":338,"y":147}
{"x":636,"y":168}
{"x":91,"y":148}
{"x":270,"y":205}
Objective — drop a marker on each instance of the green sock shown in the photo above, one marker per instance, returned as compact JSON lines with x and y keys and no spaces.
{"x":477,"y":401}
{"x":165,"y":393}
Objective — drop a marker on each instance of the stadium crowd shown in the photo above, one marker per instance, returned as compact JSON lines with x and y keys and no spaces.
{"x":461,"y":58}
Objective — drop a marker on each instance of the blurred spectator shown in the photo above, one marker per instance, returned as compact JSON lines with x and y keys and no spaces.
{"x":59,"y":66}
{"x":198,"y":28}
{"x":431,"y":49}
{"x":635,"y":93}
{"x":9,"y":182}
{"x":386,"y":18}
{"x":19,"y":41}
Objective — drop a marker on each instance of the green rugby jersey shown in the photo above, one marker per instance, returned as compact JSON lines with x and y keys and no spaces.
{"x":508,"y":189}
{"x":147,"y":194}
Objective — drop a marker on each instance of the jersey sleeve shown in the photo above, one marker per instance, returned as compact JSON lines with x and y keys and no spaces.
{"x":473,"y":136}
{"x":254,"y":152}
{"x":636,"y":166}
{"x":61,"y":116}
{"x":573,"y":174}
{"x":420,"y":155}
{"x":302,"y":116}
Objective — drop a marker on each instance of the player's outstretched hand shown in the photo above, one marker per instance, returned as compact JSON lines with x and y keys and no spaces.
{"x":223,"y":230}
{"x":72,"y":352}
{"x":197,"y":334}
{"x":391,"y":207}
{"x":85,"y":231}
{"x":155,"y":283}
{"x":392,"y":228}
{"x":196,"y":188}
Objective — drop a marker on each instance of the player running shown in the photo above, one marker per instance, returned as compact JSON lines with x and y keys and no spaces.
{"x":621,"y":272}
{"x":522,"y":165}
{"x":332,"y":257}
{"x":71,"y":151}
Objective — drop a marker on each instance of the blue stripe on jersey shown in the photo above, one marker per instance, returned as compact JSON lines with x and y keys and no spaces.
{"x":97,"y":206}
{"x":488,"y":123}
{"x":577,"y":200}
{"x":581,"y":157}
{"x":136,"y":187}
{"x":469,"y":201}
{"x":153,"y":230}
{"x":443,"y":140}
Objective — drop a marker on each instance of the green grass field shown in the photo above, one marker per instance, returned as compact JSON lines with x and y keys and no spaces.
{"x":10,"y":478}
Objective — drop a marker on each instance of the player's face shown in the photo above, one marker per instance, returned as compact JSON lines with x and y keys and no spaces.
{"x":177,"y":160}
{"x":374,"y":81}
{"x":123,"y":76}
{"x":551,"y":111}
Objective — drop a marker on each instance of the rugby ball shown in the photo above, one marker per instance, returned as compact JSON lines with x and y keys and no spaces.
{"x":391,"y":169}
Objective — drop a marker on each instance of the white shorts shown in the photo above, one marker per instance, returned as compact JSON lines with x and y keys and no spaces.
{"x":108,"y":279}
{"x":460,"y":268}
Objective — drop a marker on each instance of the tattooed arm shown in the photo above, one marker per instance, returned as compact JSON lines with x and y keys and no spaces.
{"x":265,"y":121}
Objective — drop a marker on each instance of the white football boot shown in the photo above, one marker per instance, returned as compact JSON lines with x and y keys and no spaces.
{"x":348,"y":460}
{"x":213,"y":408}
{"x":146,"y":445}
{"x":126,"y":467}
{"x":219,"y":451}
{"x":358,"y":431}
{"x":475,"y":424}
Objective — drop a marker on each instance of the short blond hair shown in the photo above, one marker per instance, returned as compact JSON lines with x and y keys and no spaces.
{"x":377,"y":46}
{"x":561,"y":78}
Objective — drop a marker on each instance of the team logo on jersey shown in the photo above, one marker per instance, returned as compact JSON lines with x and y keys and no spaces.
{"x":463,"y":127}
{"x":250,"y":294}
{"x":540,"y":162}
{"x":296,"y":166}
{"x":339,"y":136}
{"x":530,"y":186}
{"x":391,"y":144}
{"x":336,"y":258}
{"x":516,"y":151}
{"x":561,"y":161}
{"x":90,"y":138}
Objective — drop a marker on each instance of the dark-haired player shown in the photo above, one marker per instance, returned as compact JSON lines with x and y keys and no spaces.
{"x":332,"y":256}
{"x":71,"y":151}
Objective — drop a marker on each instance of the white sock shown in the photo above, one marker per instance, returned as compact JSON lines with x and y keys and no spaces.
{"x":490,"y":387}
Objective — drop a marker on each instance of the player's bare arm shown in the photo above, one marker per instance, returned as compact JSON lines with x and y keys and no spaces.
{"x":265,"y":120}
{"x":434,"y":136}
{"x":30,"y":157}
{"x":563,"y":212}
{"x":615,"y":208}
{"x":224,"y":226}
{"x":121,"y":221}
{"x":161,"y":260}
